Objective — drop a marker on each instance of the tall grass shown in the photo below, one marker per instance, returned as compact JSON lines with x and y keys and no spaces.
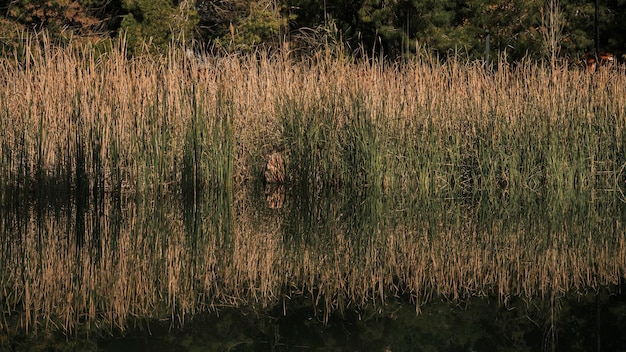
{"x":450,"y":129}
{"x":131,"y":137}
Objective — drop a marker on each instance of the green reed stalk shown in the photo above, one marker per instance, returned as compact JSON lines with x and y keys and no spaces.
{"x":191,"y":173}
{"x":398,"y":138}
{"x":443,"y":130}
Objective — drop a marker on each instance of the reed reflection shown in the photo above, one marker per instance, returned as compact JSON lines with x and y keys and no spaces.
{"x":96,"y":263}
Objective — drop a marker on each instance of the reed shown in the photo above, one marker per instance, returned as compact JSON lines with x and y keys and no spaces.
{"x":368,"y":145}
{"x":440,"y":129}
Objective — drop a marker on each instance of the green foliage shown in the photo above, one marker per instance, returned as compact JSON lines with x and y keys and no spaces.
{"x":261,"y":25}
{"x":158,"y":23}
{"x":242,"y":25}
{"x":61,"y":19}
{"x":392,"y":28}
{"x":53,"y":15}
{"x":454,"y":26}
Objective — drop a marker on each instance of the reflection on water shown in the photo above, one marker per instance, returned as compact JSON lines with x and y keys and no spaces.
{"x":101,"y":264}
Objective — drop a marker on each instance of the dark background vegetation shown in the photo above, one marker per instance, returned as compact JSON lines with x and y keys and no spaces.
{"x":393,"y":28}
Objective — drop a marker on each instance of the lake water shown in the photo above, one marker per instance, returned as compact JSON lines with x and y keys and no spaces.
{"x":310,"y":270}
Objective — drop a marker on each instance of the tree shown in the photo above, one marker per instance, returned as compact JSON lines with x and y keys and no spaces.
{"x":398,"y":27}
{"x":389,"y":27}
{"x":241,"y":26}
{"x":55,"y":16}
{"x":158,"y":23}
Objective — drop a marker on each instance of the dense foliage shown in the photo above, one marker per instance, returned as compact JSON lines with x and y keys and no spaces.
{"x":535,"y":28}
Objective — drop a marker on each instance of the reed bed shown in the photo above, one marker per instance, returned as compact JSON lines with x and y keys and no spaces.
{"x":156,"y":158}
{"x":182,"y":124}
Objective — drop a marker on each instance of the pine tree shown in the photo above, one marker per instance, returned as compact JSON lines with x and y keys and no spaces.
{"x":158,"y":23}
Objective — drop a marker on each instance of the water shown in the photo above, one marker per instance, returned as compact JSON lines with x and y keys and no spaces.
{"x":573,"y":323}
{"x":304,"y":269}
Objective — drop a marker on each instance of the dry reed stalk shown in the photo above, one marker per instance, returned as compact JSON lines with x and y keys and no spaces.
{"x":430,"y":125}
{"x":121,"y":102}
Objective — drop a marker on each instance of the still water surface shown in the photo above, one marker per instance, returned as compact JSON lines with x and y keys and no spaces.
{"x":260,"y":270}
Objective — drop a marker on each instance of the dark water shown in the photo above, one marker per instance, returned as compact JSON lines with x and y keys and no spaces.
{"x":307,"y":271}
{"x":573,"y":323}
